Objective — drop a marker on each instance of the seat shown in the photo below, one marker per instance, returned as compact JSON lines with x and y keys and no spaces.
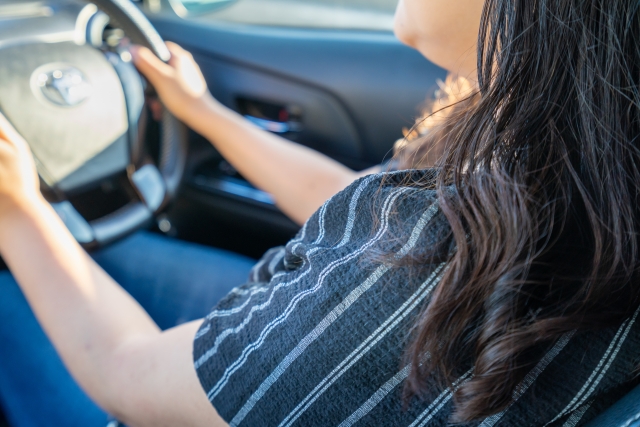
{"x":624,"y":413}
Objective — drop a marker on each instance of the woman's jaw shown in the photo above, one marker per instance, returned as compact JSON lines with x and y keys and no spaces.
{"x":444,"y":31}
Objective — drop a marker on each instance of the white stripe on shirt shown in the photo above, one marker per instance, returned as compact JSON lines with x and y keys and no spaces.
{"x":531,"y":377}
{"x":377,"y":397}
{"x":393,"y":321}
{"x":601,"y":369}
{"x":435,"y":406}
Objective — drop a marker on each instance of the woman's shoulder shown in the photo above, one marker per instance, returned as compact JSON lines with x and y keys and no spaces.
{"x":416,"y":179}
{"x":312,"y":303}
{"x":390,"y":199}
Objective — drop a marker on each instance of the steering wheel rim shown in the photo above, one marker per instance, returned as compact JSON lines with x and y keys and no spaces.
{"x":133,"y":22}
{"x":153,"y":184}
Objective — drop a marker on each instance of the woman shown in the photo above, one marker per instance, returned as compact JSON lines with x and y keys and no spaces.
{"x":498,"y":289}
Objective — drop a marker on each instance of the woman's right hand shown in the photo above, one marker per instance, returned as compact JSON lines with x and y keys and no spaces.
{"x":179,"y":83}
{"x":19,"y":182}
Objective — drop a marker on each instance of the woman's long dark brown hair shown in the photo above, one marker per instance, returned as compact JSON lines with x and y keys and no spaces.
{"x":540,"y":182}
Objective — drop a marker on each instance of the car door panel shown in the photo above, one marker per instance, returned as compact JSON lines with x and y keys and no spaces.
{"x":326,"y":125}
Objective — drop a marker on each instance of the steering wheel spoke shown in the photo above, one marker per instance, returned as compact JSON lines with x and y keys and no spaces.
{"x":151,"y":189}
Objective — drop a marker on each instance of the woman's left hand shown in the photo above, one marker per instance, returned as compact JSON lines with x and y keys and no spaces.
{"x":19,"y":182}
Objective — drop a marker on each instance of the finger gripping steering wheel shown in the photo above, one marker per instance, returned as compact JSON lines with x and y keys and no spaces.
{"x":81,"y":109}
{"x":133,"y":22}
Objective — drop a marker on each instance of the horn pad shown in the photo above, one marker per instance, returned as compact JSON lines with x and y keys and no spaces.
{"x":68,"y":103}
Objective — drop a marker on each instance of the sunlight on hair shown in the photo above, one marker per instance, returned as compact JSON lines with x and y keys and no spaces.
{"x":422,"y":145}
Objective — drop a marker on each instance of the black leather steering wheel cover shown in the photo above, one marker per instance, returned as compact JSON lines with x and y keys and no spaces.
{"x":173,"y":137}
{"x":138,"y":28}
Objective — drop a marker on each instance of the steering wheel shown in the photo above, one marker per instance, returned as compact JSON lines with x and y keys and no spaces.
{"x":82,"y":111}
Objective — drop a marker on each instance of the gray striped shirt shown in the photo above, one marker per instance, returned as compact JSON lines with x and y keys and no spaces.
{"x":316,"y":336}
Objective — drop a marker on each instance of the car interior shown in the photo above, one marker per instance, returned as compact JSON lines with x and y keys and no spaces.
{"x":327,"y":74}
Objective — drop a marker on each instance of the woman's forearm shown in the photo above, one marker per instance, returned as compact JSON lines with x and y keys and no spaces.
{"x":107,"y":341}
{"x":86,"y":315}
{"x":299,"y":178}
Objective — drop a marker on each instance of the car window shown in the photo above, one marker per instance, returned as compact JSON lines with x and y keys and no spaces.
{"x":335,"y":14}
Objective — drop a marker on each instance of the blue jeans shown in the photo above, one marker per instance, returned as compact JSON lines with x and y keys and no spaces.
{"x":174,"y":281}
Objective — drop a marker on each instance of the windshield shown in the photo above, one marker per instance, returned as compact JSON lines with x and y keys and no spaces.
{"x":336,"y":14}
